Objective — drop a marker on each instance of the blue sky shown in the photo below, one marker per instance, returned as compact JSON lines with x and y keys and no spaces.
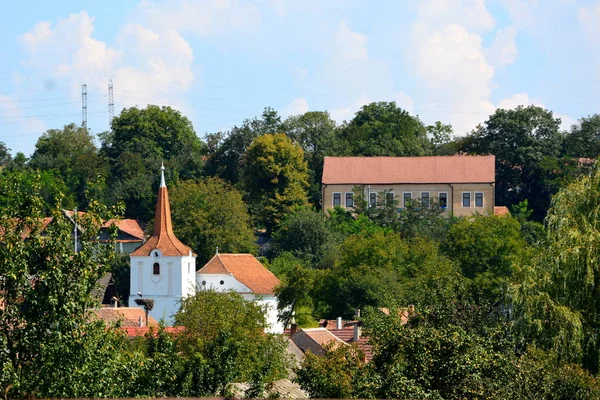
{"x":221,"y":61}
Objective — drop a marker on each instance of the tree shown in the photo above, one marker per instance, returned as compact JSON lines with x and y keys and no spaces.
{"x":71,"y":153}
{"x":224,"y":343}
{"x":275,"y":178}
{"x":314,"y":131}
{"x":383,"y":129}
{"x":48,"y":346}
{"x":440,"y":136}
{"x":226,"y":151}
{"x":522,"y":140}
{"x":489,"y":250}
{"x":140,"y":139}
{"x":5,"y":156}
{"x":584,"y":139}
{"x":211,"y":213}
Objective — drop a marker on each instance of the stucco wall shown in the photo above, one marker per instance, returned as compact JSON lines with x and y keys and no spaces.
{"x":454,"y":193}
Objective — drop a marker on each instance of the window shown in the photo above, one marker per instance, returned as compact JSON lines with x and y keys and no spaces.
{"x":349,"y":199}
{"x":478,"y":199}
{"x":337,"y":199}
{"x":221,"y":282}
{"x":372,"y":199}
{"x":443,"y":199}
{"x":466,"y":199}
{"x":425,"y":199}
{"x":389,"y":198}
{"x":156,"y":269}
{"x":407,"y":197}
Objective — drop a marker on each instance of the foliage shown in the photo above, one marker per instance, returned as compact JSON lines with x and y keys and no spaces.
{"x":5,"y":156}
{"x":489,"y":250}
{"x":584,"y":138}
{"x":275,"y":178}
{"x":439,"y":135}
{"x":72,"y":155}
{"x":384,"y":129}
{"x":48,"y":346}
{"x":210,"y":213}
{"x":140,"y":139}
{"x":224,"y":343}
{"x":521,"y":139}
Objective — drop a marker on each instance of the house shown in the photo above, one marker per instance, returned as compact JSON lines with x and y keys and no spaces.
{"x":244,"y":274}
{"x":316,"y":340}
{"x":163,"y":269}
{"x":461,"y":185}
{"x":125,"y":317}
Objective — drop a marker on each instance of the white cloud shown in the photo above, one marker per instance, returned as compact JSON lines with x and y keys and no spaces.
{"x":342,"y":114}
{"x":296,"y":107}
{"x":518,"y":99}
{"x":472,"y":14}
{"x":29,"y":127}
{"x":404,"y":101}
{"x":504,"y":48}
{"x":589,"y":18}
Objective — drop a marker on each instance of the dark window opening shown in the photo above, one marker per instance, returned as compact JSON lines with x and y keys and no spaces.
{"x":337,"y":199}
{"x":156,"y":269}
{"x":466,"y":199}
{"x":478,"y":199}
{"x":349,"y":199}
{"x":443,"y":199}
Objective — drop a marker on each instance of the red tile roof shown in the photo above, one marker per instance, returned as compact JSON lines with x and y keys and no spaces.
{"x":246,"y":269}
{"x":163,"y":238}
{"x":501,"y":210}
{"x":129,"y":317}
{"x":391,"y":170}
{"x":141,"y":331}
{"x":129,"y":226}
{"x":315,"y":340}
{"x":347,"y":335}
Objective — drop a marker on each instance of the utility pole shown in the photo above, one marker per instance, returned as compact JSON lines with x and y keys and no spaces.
{"x":84,"y":106}
{"x":111,"y":101}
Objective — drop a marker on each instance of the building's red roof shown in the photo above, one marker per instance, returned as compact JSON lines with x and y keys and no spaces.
{"x":501,"y":210}
{"x":129,"y":226}
{"x":163,"y":237}
{"x":347,"y":335}
{"x":246,"y":269}
{"x":142,"y":331}
{"x":395,"y":170}
{"x":316,"y":340}
{"x":129,"y":317}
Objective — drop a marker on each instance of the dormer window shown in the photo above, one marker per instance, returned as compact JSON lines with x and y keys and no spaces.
{"x":156,"y":269}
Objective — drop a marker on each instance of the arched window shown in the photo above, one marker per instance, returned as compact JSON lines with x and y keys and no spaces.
{"x":156,"y":269}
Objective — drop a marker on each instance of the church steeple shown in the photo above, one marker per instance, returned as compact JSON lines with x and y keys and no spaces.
{"x":163,"y":237}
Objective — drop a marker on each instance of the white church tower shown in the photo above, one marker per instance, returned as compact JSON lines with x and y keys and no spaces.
{"x":163,"y":269}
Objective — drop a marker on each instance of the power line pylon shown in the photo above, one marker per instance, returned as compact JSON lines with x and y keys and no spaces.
{"x":111,"y":101}
{"x":84,"y":106}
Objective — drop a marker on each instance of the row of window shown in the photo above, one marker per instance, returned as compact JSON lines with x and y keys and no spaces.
{"x":407,"y":198}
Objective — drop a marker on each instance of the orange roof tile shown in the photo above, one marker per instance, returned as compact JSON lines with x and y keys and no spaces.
{"x":246,"y":269}
{"x":129,"y":317}
{"x":501,"y":210}
{"x":129,"y":226}
{"x":141,"y":331}
{"x":163,"y":238}
{"x":390,"y":170}
{"x":316,"y":340}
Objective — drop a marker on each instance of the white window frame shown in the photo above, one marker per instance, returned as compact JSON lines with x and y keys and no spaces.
{"x":346,"y":199}
{"x":462,"y":199}
{"x":404,"y":198}
{"x":333,"y":199}
{"x":446,"y":193}
{"x":373,"y":204}
{"x":428,"y":198}
{"x":475,"y":200}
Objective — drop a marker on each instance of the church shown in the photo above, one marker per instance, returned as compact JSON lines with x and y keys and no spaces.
{"x":164,"y":269}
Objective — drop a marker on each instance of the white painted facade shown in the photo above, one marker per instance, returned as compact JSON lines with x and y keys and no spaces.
{"x":227,"y":282}
{"x":175,"y":280}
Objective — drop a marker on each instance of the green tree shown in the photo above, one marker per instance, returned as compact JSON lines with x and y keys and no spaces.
{"x":211,"y":213}
{"x":314,"y":131}
{"x":275,"y":178}
{"x":49,"y":347}
{"x":140,"y":139}
{"x":584,"y":138}
{"x":224,"y":342}
{"x":384,"y":129}
{"x":71,"y":153}
{"x":489,"y":250}
{"x":522,"y":140}
{"x":440,"y":136}
{"x":226,"y":151}
{"x":5,"y":156}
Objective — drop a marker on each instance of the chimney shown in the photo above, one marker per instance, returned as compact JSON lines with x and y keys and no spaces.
{"x":293,"y":328}
{"x":114,"y":302}
{"x":140,"y":323}
{"x":357,"y":314}
{"x":338,"y":322}
{"x":357,"y":330}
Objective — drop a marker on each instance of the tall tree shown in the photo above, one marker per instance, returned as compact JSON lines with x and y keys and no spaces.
{"x":275,"y":178}
{"x":584,"y":138}
{"x":522,"y":140}
{"x":314,"y":131}
{"x":211,"y":213}
{"x":72,"y":154}
{"x":226,"y":151}
{"x":140,"y":139}
{"x":384,"y":129}
{"x":5,"y":156}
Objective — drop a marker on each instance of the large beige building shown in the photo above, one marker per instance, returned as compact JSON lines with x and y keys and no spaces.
{"x":462,"y":185}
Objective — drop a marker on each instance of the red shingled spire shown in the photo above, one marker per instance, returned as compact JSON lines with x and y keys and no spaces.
{"x":163,"y":237}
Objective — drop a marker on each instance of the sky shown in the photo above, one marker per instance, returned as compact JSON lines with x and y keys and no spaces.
{"x":222,"y":61}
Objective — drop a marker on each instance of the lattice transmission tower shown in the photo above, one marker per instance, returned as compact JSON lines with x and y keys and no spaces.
{"x":84,"y":106}
{"x":111,"y":102}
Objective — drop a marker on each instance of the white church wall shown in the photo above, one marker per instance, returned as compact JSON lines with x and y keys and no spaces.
{"x":220,"y":283}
